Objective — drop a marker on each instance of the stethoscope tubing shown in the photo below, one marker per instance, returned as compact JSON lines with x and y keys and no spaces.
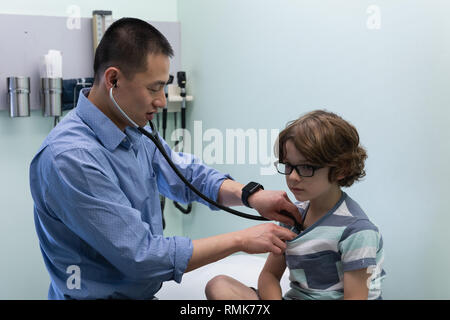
{"x":154,"y":137}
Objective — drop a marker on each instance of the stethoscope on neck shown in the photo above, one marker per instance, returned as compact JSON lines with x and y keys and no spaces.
{"x":155,"y":139}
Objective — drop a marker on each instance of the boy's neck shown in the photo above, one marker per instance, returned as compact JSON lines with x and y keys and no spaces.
{"x":319,"y":206}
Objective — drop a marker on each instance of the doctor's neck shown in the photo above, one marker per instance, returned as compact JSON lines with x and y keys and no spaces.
{"x":100,"y":98}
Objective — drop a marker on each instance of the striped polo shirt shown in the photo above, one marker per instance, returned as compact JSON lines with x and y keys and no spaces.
{"x":342,"y":240}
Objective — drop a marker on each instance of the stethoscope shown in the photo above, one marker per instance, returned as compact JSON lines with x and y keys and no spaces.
{"x":154,"y":137}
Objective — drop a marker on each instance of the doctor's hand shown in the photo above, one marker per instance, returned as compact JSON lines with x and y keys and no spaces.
{"x":270,"y":205}
{"x":262,"y":238}
{"x":266,"y":237}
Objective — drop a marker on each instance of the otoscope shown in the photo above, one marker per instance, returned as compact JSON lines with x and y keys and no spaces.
{"x":166,"y":92}
{"x":162,"y":199}
{"x":155,"y":139}
{"x":181,"y":79}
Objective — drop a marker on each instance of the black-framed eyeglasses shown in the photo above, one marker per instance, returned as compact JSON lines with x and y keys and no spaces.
{"x":303,"y":170}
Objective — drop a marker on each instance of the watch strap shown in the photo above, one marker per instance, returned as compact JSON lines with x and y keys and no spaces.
{"x":249,"y":189}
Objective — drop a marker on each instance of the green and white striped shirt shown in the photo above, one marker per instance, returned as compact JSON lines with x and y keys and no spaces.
{"x":342,"y":240}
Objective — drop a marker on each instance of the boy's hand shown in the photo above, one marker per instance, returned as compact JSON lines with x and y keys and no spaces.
{"x":269,"y":204}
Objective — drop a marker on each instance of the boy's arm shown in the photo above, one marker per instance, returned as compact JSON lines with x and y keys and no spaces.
{"x":356,"y":284}
{"x":269,"y":279}
{"x":359,"y":245}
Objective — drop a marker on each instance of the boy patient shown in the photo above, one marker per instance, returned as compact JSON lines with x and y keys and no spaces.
{"x":338,"y":253}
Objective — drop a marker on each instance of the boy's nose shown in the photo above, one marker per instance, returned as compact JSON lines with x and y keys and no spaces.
{"x":294,"y":176}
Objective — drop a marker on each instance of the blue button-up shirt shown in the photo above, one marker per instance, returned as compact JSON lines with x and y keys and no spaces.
{"x":97,"y":209}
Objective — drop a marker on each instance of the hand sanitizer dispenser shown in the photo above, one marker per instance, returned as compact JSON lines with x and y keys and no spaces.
{"x":51,"y":84}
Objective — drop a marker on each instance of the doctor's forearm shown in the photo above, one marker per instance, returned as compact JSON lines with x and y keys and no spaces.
{"x":230,"y":193}
{"x":212,"y":249}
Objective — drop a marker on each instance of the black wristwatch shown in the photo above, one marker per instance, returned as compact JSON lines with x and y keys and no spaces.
{"x":248,"y":190}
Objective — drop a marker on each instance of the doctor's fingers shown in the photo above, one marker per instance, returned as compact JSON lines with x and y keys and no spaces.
{"x":291,"y":208}
{"x":283,"y":217}
{"x":266,"y":237}
{"x":284,"y":211}
{"x":278,"y":245}
{"x":278,"y":239}
{"x":283,"y":233}
{"x":277,"y":235}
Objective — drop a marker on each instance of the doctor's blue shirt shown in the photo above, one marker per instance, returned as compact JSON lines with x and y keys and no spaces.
{"x":97,"y":209}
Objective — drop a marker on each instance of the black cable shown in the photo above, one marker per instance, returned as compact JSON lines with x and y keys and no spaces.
{"x":157,"y":143}
{"x":180,"y":175}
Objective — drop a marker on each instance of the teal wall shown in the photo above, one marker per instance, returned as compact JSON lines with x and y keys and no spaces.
{"x":156,"y":10}
{"x":260,"y":63}
{"x":22,"y":271}
{"x":256,"y":64}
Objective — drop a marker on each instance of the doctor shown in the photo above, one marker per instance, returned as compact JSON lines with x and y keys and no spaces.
{"x":95,"y":183}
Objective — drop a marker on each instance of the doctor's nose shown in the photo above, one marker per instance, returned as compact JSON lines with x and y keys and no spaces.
{"x":160,"y":101}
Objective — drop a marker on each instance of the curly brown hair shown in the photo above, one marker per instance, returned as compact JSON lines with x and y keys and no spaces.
{"x":325,"y":139}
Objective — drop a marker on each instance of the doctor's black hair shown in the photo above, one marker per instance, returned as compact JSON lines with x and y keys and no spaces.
{"x":126,"y":45}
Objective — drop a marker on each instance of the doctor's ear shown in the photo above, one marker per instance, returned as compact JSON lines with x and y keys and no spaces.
{"x":111,"y":77}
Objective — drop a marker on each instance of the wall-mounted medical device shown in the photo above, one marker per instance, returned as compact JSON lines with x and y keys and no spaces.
{"x":51,"y":97}
{"x":18,"y":96}
{"x":71,"y":91}
{"x":101,"y":20}
{"x":51,"y":84}
{"x":23,"y":54}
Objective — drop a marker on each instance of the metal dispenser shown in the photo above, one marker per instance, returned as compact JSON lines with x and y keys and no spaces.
{"x":51,"y":96}
{"x":18,"y":96}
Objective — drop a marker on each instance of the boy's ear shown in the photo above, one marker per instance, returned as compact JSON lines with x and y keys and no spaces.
{"x":339,"y":179}
{"x":338,"y":174}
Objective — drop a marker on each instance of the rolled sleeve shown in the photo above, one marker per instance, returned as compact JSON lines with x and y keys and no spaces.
{"x":183,"y":253}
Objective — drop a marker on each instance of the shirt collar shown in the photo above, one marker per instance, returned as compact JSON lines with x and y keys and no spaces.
{"x":106,"y":131}
{"x":134,"y":137}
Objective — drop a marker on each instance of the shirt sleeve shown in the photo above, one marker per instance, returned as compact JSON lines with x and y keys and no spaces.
{"x":359,"y":245}
{"x":206,"y":179}
{"x":91,"y":204}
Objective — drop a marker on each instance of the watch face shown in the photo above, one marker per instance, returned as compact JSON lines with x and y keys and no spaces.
{"x":248,"y":190}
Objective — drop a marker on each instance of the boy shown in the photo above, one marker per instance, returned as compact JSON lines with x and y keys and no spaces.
{"x":338,"y":253}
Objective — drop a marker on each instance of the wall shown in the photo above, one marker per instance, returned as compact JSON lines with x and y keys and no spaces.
{"x":157,"y":10}
{"x":257,"y":64}
{"x":22,"y":271}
